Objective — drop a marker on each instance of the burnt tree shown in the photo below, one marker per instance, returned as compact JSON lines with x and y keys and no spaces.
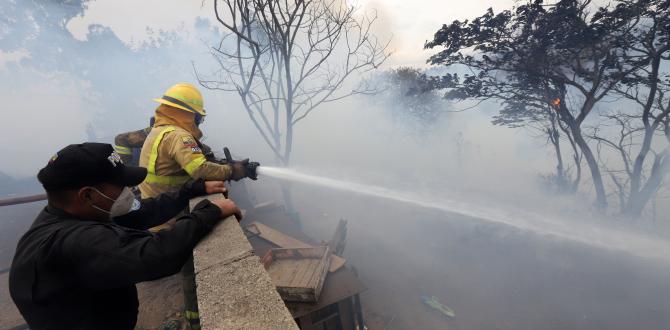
{"x":542,"y":52}
{"x":411,"y":96}
{"x":641,"y":140}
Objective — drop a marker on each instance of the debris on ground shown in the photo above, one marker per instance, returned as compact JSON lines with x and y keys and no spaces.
{"x":434,"y":303}
{"x":284,"y":241}
{"x":298,"y":273}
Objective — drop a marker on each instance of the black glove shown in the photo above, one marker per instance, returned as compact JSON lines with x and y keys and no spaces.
{"x":241,"y":168}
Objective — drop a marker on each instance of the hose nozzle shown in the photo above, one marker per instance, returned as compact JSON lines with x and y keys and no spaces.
{"x":250,"y":167}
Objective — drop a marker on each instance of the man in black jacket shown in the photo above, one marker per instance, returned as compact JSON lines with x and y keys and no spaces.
{"x":77,"y":266}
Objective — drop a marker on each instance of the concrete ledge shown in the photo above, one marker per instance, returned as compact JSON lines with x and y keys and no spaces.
{"x":234,"y":290}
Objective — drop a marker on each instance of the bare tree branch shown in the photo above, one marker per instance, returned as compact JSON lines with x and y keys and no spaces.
{"x":287,"y":58}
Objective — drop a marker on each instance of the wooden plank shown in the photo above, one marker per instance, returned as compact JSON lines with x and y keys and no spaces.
{"x":311,"y":277}
{"x":298,"y":273}
{"x":278,"y":238}
{"x":282,"y":272}
{"x":306,"y":271}
{"x":339,"y":239}
{"x":322,"y":273}
{"x":338,"y":286}
{"x":253,"y":230}
{"x":336,"y":262}
{"x":284,"y":241}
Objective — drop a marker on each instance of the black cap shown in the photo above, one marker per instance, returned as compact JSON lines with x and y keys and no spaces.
{"x":88,"y":164}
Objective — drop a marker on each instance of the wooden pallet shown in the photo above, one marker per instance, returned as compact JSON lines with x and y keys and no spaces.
{"x":298,"y":273}
{"x":284,"y":241}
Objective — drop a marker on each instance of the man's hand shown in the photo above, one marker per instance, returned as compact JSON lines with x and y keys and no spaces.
{"x":215,"y":187}
{"x":239,"y":169}
{"x":228,"y":208}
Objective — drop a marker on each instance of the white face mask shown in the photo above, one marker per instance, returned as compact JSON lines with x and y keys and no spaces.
{"x":124,"y":204}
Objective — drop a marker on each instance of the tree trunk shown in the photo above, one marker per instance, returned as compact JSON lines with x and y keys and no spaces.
{"x":560,"y":171}
{"x":638,"y":201}
{"x":578,"y":167}
{"x":574,"y":185}
{"x":636,"y":176}
{"x":639,"y":194}
{"x":287,"y":195}
{"x":649,"y":131}
{"x":288,"y":142}
{"x":574,"y":124}
{"x":288,"y":203}
{"x":555,"y":138}
{"x":601,"y":198}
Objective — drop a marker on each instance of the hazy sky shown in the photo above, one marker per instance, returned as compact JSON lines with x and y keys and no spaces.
{"x":410,"y":23}
{"x":414,"y":22}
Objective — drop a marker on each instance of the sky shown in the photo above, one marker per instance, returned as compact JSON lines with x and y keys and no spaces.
{"x":412,"y":23}
{"x":408,"y":23}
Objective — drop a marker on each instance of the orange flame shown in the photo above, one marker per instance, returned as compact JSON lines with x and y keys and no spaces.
{"x":556,"y":102}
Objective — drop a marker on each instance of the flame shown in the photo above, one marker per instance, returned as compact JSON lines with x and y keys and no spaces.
{"x":556,"y":102}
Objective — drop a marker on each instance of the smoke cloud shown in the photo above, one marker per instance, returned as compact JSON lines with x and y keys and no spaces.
{"x":94,"y":76}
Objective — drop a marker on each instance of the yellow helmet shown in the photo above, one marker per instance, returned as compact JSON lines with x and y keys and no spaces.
{"x":183,"y":96}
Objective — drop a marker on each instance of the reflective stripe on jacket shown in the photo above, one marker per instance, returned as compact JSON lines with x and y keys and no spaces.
{"x":129,"y":144}
{"x":172,"y":156}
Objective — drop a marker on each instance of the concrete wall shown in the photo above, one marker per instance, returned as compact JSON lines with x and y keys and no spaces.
{"x":234,"y":290}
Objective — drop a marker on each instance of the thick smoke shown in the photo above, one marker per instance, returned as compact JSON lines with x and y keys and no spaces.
{"x":100,"y":78}
{"x":89,"y":75}
{"x":68,"y":79}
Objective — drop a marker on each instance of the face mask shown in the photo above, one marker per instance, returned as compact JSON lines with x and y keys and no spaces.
{"x":199,"y":119}
{"x":124,"y":204}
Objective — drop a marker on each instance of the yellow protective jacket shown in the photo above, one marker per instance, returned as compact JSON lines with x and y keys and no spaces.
{"x":173,"y":155}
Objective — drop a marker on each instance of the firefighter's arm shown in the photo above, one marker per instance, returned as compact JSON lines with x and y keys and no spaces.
{"x":122,"y":148}
{"x":187,"y":153}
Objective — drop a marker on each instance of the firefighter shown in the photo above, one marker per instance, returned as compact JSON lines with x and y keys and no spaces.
{"x":77,"y":265}
{"x":128,"y":145}
{"x":173,"y":154}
